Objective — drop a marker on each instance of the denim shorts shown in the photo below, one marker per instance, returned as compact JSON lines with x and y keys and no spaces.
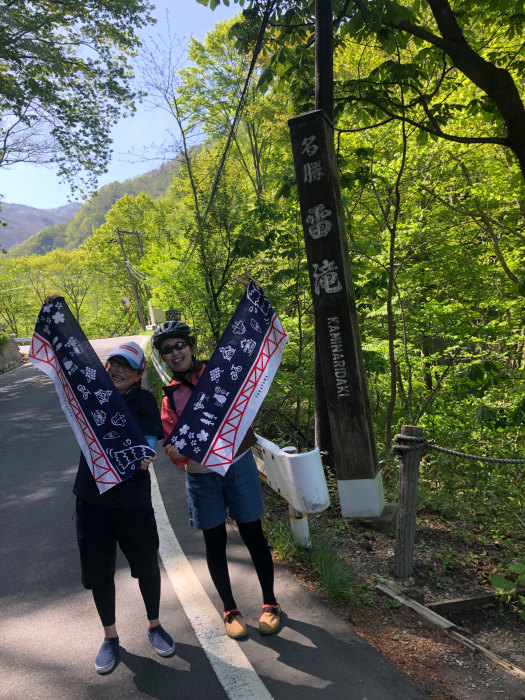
{"x":212,"y":497}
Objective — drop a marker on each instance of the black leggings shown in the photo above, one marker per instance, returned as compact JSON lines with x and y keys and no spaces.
{"x":253,"y":537}
{"x":104,"y":597}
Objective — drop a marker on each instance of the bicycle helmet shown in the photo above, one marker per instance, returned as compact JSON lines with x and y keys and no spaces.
{"x":173,"y":329}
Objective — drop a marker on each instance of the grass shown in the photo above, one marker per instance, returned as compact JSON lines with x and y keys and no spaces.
{"x":321,"y":563}
{"x":282,"y":542}
{"x":335,"y":577}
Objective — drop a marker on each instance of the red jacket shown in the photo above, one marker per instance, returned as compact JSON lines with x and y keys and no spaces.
{"x":181,"y":394}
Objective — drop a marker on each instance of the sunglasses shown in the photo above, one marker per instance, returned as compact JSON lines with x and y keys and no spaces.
{"x":168,"y":349}
{"x":118,"y":365}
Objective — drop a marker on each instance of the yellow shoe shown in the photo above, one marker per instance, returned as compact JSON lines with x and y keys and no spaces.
{"x":235,"y":625}
{"x":270,"y":620}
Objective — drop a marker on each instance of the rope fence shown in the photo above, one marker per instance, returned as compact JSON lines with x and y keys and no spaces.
{"x":409,"y":443}
{"x":409,"y":446}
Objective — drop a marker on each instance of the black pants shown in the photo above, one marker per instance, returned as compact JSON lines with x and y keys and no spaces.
{"x":253,"y":537}
{"x":99,"y":530}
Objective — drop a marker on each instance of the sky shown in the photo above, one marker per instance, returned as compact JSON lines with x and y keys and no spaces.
{"x":39,"y":186}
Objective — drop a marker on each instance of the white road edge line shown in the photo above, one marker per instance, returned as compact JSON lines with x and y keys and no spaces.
{"x":233,"y":670}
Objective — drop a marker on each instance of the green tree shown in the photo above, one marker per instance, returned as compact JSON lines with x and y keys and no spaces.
{"x":65,"y":79}
{"x":212,"y":190}
{"x":443,"y":75}
{"x":70,"y":274}
{"x":210,"y":90}
{"x":120,"y":241}
{"x":16,"y":297}
{"x":439,"y":49}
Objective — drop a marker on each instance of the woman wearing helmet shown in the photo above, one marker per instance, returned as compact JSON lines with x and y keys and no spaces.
{"x":210,"y":495}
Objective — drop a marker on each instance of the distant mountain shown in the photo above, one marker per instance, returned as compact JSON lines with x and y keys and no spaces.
{"x":23,"y":222}
{"x":71,"y":233}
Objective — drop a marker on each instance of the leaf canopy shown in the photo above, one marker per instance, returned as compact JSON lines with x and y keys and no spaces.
{"x":65,"y":78}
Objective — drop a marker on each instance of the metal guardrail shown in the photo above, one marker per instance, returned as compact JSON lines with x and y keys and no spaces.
{"x":24,"y":341}
{"x":159,"y":365}
{"x":298,"y":477}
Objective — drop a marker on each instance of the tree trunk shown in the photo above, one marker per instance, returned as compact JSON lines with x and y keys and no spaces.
{"x":495,"y":82}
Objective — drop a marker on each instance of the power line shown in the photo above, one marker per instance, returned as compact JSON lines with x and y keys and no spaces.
{"x":12,"y":289}
{"x":258,"y":45}
{"x":140,"y":276}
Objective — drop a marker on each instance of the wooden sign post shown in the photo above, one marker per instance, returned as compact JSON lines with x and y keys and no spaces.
{"x":339,"y":344}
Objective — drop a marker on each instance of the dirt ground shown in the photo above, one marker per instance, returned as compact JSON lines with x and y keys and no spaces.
{"x":449,"y":563}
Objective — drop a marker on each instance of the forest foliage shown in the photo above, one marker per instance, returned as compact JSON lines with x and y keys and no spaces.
{"x":435,"y":229}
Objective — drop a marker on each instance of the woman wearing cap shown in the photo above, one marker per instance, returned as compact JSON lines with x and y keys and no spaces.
{"x":123,"y":515}
{"x":210,"y":494}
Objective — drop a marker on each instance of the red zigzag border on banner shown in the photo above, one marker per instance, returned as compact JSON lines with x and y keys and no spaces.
{"x":46,"y":355}
{"x":232,"y":421}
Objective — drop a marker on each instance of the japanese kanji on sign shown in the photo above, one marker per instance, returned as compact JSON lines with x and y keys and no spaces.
{"x":333,"y":296}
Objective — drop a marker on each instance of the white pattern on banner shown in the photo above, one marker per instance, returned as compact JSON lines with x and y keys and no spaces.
{"x":227,"y":352}
{"x":70,"y":361}
{"x":237,"y":389}
{"x":248,"y":346}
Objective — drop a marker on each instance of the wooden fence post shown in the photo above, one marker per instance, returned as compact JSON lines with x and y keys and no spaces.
{"x":407,"y":502}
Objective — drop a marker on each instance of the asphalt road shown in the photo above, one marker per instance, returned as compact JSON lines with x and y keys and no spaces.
{"x":50,"y":632}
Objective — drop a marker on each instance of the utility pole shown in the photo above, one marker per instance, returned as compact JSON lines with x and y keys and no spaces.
{"x":127,"y":304}
{"x":324,"y":99}
{"x":338,"y":340}
{"x":324,"y":62}
{"x":133,"y":286}
{"x":138,"y":235}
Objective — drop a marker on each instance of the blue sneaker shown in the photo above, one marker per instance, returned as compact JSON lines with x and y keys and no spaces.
{"x":107,"y":655}
{"x":161,"y":640}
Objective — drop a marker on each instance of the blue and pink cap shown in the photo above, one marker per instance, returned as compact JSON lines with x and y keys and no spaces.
{"x":132,"y":352}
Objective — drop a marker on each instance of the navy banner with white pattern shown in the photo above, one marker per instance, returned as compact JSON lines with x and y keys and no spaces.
{"x":233,"y":384}
{"x":106,"y":430}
